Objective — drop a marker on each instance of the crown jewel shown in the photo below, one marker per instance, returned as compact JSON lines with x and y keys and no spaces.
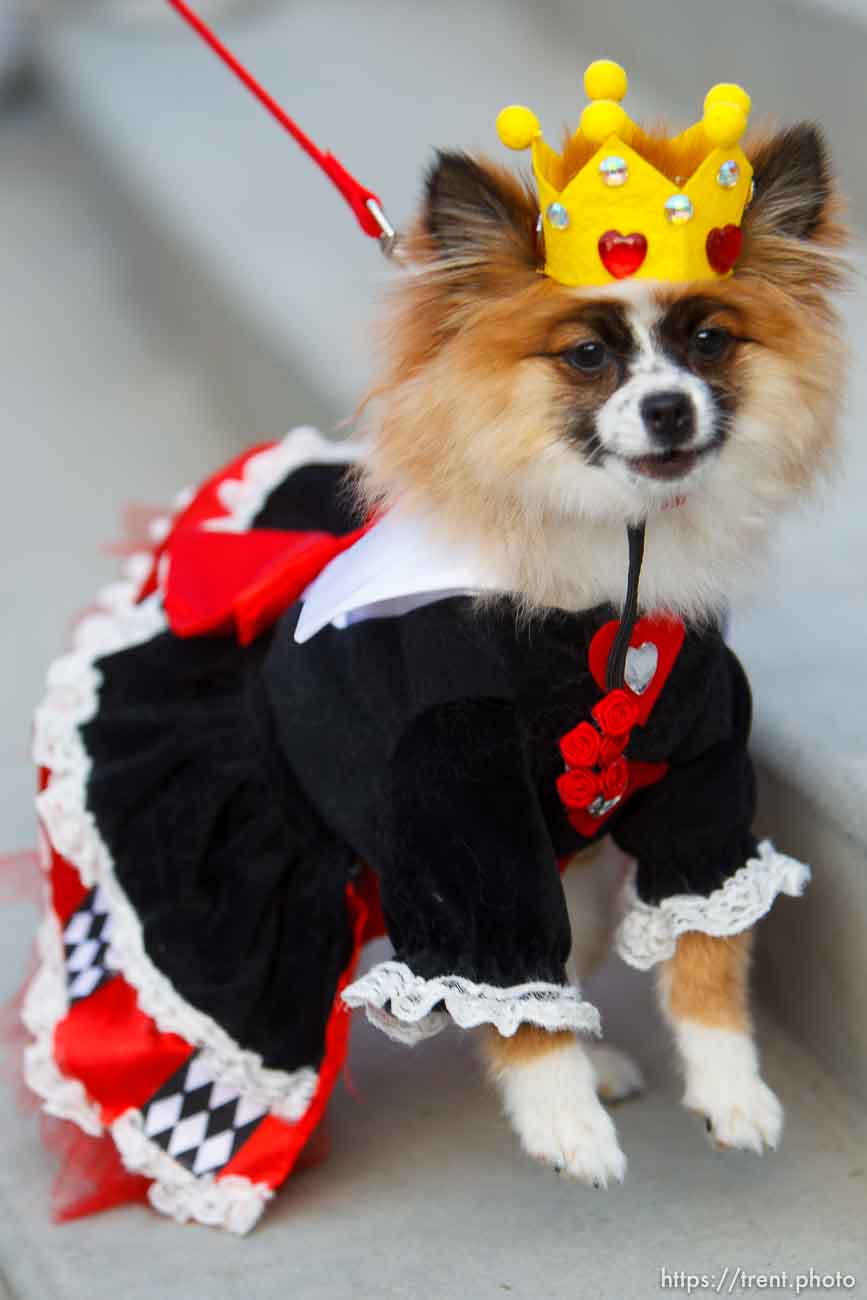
{"x":617,"y":215}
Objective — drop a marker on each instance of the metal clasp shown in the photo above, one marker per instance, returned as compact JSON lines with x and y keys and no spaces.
{"x":389,"y":238}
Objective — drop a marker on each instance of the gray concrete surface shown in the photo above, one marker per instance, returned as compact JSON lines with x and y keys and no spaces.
{"x":91,"y":401}
{"x":424,"y":1195}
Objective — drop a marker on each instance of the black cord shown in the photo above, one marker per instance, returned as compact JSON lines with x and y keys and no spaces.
{"x":614,"y":677}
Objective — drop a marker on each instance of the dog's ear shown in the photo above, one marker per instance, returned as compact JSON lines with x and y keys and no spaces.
{"x":792,"y":176}
{"x":474,"y":210}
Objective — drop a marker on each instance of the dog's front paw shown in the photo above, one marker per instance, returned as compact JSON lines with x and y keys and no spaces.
{"x":742,"y":1113}
{"x":552,"y":1103}
{"x":580,"y":1143}
{"x":724,"y":1086}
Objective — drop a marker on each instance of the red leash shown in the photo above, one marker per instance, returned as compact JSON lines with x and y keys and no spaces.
{"x":368,"y":210}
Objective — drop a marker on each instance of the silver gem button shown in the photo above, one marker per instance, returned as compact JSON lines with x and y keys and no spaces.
{"x":600,"y":805}
{"x":678,"y":209}
{"x":614,"y":170}
{"x":728,"y":175}
{"x":641,"y":664}
{"x":558,"y":216}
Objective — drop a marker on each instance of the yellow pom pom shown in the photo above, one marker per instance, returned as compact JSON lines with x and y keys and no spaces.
{"x":517,"y":127}
{"x":726,"y":92}
{"x":724,"y":123}
{"x":605,"y":79}
{"x":602,"y":119}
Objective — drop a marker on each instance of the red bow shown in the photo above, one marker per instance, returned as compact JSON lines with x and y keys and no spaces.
{"x":220,"y":582}
{"x":216,"y":581}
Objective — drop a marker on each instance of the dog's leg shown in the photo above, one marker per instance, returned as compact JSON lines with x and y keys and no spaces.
{"x":704,"y":994}
{"x":592,"y":884}
{"x":548,"y":1087}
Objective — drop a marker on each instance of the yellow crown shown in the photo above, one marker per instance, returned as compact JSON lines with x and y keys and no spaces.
{"x":617,"y":215}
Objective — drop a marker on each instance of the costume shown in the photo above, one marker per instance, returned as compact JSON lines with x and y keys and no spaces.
{"x":220,"y":807}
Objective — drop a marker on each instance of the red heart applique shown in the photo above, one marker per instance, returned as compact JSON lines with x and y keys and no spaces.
{"x":667,"y":634}
{"x":724,"y":247}
{"x":622,"y":255}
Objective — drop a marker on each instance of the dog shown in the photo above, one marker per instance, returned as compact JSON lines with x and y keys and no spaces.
{"x":539,"y":420}
{"x":394,"y":686}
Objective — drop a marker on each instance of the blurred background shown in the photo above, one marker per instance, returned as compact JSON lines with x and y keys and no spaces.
{"x":178,"y":280}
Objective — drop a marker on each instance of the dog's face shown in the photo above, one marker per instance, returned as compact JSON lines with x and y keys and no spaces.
{"x":525,"y":408}
{"x":648,"y":387}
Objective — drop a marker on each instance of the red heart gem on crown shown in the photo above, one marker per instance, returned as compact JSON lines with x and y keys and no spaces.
{"x":622,"y":255}
{"x":724,"y":247}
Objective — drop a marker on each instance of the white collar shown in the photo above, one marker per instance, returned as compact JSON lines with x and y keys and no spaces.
{"x":402,"y":563}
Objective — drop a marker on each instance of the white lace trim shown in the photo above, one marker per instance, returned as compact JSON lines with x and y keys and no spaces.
{"x":71,"y":699}
{"x":403,"y":1004}
{"x":45,"y":1005}
{"x":244,"y":497}
{"x":233,"y":1203}
{"x":648,"y":934}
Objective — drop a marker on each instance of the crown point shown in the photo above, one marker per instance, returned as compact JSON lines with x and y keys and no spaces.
{"x":517,"y":127}
{"x":726,"y":92}
{"x":603,"y":119}
{"x":605,"y":79}
{"x":724,"y":123}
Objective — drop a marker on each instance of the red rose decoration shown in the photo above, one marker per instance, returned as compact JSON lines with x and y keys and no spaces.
{"x":612,"y":747}
{"x":616,"y":713}
{"x":578,"y":788}
{"x":615,"y":779}
{"x":580,"y":746}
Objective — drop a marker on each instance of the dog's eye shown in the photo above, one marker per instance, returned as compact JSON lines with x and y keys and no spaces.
{"x":587,"y":357}
{"x":711,"y":344}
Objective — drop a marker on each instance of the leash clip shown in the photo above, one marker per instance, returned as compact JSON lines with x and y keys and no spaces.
{"x":388,"y":237}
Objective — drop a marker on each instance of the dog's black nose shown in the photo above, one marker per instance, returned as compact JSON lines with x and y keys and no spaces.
{"x":669,"y":417}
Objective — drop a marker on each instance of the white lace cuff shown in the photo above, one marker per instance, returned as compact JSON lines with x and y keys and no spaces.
{"x":648,"y":934}
{"x":407,"y":1007}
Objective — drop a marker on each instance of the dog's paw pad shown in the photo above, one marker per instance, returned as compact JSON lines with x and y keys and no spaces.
{"x":617,"y":1075}
{"x":746,"y":1116}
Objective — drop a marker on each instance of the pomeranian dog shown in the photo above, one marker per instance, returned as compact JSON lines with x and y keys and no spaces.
{"x":539,"y":420}
{"x":317,"y":713}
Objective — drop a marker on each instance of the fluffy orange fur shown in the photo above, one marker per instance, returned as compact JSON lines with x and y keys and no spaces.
{"x":526,"y":1044}
{"x":707,"y":979}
